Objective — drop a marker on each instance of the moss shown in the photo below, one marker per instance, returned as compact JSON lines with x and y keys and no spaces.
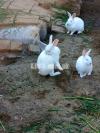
{"x":3,"y":14}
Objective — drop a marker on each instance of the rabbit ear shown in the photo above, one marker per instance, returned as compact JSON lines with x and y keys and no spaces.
{"x":88,"y":52}
{"x":74,"y":15}
{"x":50,"y":39}
{"x":84,"y":52}
{"x":55,"y":42}
{"x":69,"y":14}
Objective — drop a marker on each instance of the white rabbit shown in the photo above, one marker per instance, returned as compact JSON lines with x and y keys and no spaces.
{"x":74,"y":24}
{"x":49,"y":59}
{"x":84,"y":64}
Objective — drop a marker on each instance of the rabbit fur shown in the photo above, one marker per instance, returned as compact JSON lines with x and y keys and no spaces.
{"x":84,"y":64}
{"x":49,"y":59}
{"x":74,"y":24}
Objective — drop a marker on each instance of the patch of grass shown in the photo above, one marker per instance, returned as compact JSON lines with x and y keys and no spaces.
{"x":88,"y":123}
{"x":60,"y":14}
{"x":86,"y":115}
{"x":33,"y":128}
{"x":60,"y":17}
{"x":1,"y":2}
{"x":6,"y":128}
{"x":54,"y":110}
{"x":2,"y":77}
{"x":52,"y":125}
{"x":3,"y":14}
{"x":89,"y":105}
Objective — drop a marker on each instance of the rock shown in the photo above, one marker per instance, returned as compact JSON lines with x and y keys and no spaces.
{"x":34,"y":48}
{"x":32,"y":12}
{"x":6,"y":4}
{"x":24,"y":5}
{"x":8,"y":21}
{"x":58,"y":29}
{"x":14,"y":38}
{"x":4,"y":45}
{"x":16,"y":46}
{"x":38,"y":10}
{"x":26,"y":19}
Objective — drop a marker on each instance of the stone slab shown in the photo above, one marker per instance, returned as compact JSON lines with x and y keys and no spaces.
{"x":15,"y":46}
{"x":4,"y":45}
{"x":8,"y":21}
{"x":58,"y":29}
{"x":26,"y":19}
{"x":24,"y":5}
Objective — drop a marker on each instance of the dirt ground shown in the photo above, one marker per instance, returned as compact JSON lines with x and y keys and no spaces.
{"x":30,"y":103}
{"x":26,"y":96}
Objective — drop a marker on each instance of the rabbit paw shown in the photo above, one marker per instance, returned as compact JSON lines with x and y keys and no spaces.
{"x":54,"y":74}
{"x":82,"y":75}
{"x":89,"y":73}
{"x":79,"y":32}
{"x":68,"y":32}
{"x":71,"y":33}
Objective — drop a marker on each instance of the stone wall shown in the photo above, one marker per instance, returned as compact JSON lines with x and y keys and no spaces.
{"x":34,"y":12}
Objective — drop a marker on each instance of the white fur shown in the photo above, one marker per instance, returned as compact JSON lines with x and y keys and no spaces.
{"x":74,"y":24}
{"x":49,"y":59}
{"x":84,"y":64}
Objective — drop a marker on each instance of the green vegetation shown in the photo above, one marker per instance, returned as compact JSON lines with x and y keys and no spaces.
{"x":90,"y":106}
{"x":33,"y":128}
{"x":88,"y":112}
{"x":2,"y":126}
{"x":3,"y":14}
{"x":84,"y":121}
{"x":60,"y":14}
